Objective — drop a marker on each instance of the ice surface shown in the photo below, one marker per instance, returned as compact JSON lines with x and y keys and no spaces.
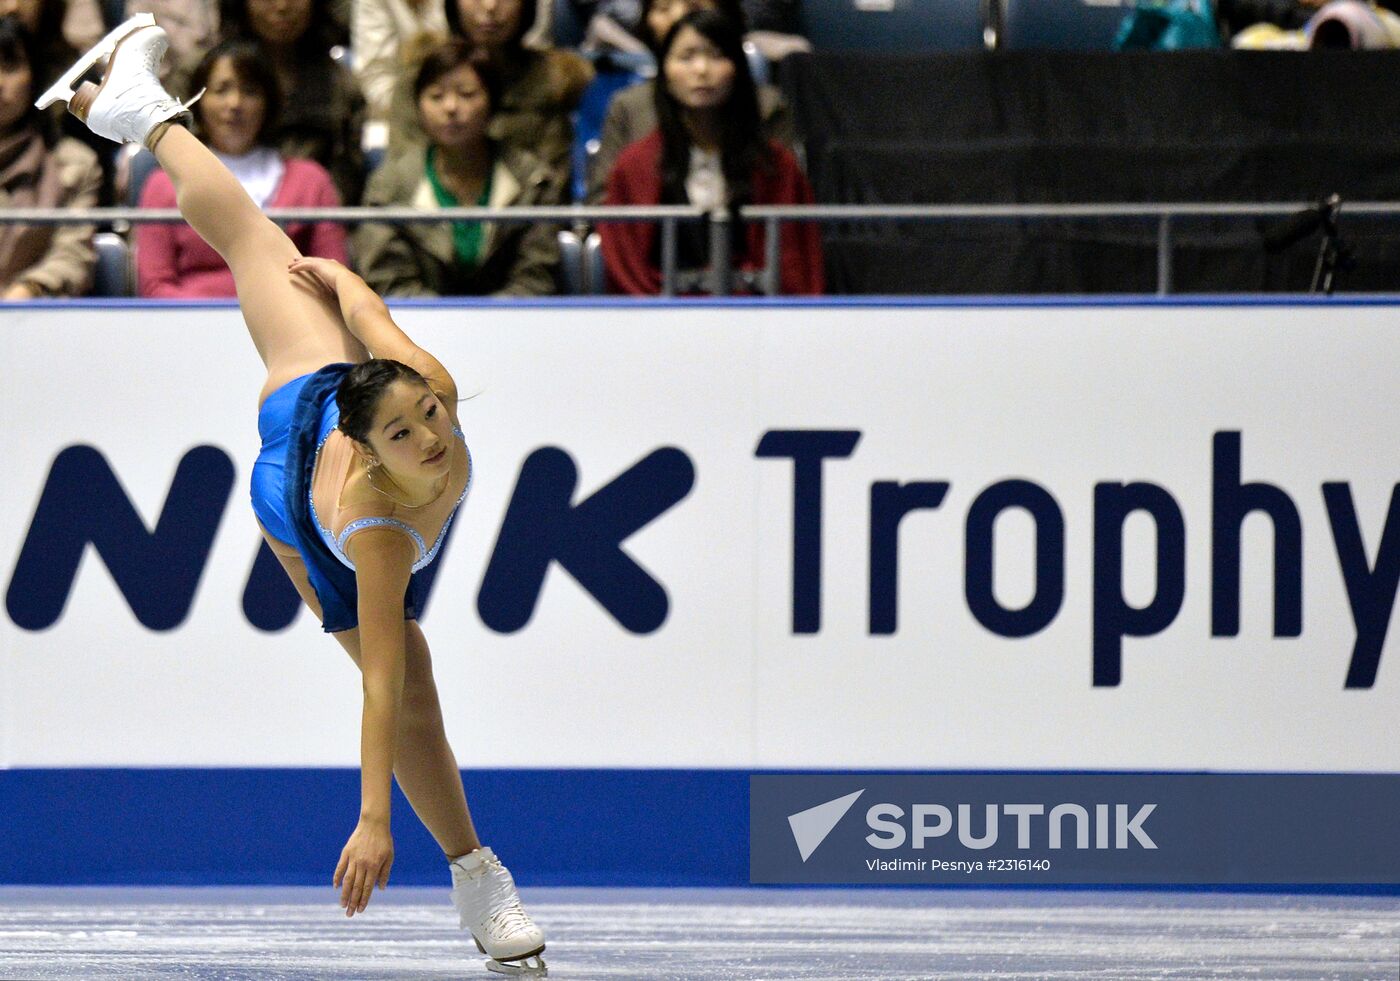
{"x":708,"y":935}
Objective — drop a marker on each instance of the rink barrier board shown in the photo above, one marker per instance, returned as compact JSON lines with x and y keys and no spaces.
{"x":172,"y":825}
{"x":569,"y":827}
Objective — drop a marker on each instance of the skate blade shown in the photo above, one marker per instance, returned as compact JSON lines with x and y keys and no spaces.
{"x":531,"y":966}
{"x":63,"y":89}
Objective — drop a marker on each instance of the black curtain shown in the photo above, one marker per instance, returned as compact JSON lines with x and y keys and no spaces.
{"x":1059,"y":127}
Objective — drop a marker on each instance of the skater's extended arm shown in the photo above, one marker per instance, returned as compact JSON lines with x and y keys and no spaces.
{"x":383,"y":564}
{"x":367,"y":317}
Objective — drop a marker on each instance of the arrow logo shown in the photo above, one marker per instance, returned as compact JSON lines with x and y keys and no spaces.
{"x":810,"y":827}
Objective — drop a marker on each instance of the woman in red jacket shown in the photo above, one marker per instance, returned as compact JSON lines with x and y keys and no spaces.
{"x":707,"y":150}
{"x":236,"y":116}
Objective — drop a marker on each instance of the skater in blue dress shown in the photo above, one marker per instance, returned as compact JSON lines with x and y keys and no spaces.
{"x":363,"y":465}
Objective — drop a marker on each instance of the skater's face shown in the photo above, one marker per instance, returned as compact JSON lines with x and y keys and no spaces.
{"x":490,"y":24}
{"x":663,"y":14}
{"x":698,"y":74}
{"x":279,"y":22}
{"x":412,"y":432}
{"x":16,"y":87}
{"x":232,"y":109}
{"x":454,"y":108}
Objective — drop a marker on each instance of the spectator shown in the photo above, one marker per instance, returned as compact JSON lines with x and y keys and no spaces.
{"x":632,"y":113}
{"x":323,"y":118}
{"x":613,"y":29}
{"x":538,"y":89}
{"x":1302,"y":24}
{"x":61,"y":28}
{"x":380,"y":34}
{"x":38,"y":172}
{"x":455,"y":90}
{"x":192,"y":26}
{"x":708,"y":151}
{"x":237,"y":118}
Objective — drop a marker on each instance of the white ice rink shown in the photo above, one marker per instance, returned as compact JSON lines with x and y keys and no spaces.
{"x":708,"y":935}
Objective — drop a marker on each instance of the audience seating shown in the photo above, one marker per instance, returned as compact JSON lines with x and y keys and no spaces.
{"x":570,"y":262}
{"x":140,"y":164}
{"x":595,"y":281}
{"x":1062,"y":25}
{"x":566,"y":26}
{"x":893,"y":26}
{"x":113,"y":275}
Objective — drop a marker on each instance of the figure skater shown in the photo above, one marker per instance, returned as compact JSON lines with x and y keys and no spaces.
{"x":362,"y":466}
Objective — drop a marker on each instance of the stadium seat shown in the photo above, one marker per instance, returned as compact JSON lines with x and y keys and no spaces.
{"x":1062,"y":25}
{"x":140,"y":164}
{"x":566,"y":26}
{"x":595,"y":281}
{"x":588,"y":122}
{"x":893,"y":26}
{"x":112,"y":276}
{"x":570,"y":262}
{"x":758,"y":65}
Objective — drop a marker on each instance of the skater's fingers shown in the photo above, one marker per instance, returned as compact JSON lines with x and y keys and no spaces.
{"x":349,"y":896}
{"x":366,"y":890}
{"x":384,"y":874}
{"x":311,"y":278}
{"x":340,"y":870}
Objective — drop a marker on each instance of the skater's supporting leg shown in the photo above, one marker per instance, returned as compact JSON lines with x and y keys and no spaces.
{"x":424,"y":765}
{"x":423,"y":761}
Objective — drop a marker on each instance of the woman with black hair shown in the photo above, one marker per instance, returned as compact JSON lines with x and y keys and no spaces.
{"x":708,"y":150}
{"x":323,"y":119}
{"x":37,"y":171}
{"x":236,"y":117}
{"x":363,"y":465}
{"x":538,"y":89}
{"x":632,"y":112}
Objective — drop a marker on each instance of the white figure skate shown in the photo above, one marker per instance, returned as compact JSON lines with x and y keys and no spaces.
{"x":484,"y":893}
{"x":129,"y":102}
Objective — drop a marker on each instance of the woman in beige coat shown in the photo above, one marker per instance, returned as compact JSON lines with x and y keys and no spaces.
{"x":36,"y":172}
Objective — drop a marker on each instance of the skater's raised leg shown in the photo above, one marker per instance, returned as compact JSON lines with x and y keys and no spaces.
{"x":295,"y":328}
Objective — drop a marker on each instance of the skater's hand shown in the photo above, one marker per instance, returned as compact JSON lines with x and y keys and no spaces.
{"x":364,"y":861}
{"x":321,"y":274}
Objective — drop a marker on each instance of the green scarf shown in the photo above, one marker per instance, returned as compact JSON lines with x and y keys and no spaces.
{"x":466,"y":235}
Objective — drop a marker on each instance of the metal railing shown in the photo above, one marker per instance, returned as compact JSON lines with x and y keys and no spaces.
{"x":719,"y":277}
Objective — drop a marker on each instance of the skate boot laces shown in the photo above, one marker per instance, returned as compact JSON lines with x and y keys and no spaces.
{"x":509,"y":920}
{"x":485,"y":895}
{"x":509,"y":916}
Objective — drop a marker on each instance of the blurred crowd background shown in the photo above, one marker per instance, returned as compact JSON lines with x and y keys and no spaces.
{"x":721,"y":104}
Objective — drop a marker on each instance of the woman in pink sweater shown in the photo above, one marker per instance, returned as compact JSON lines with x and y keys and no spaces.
{"x":238,"y":111}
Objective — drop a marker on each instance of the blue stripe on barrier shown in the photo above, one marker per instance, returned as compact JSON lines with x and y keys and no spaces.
{"x":565,"y":827}
{"x":287,"y":826}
